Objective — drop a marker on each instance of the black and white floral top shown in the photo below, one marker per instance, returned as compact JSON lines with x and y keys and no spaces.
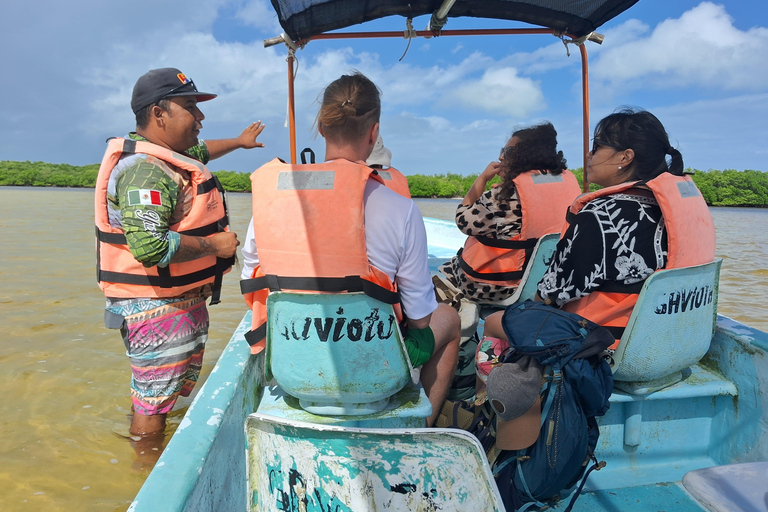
{"x":618,"y":238}
{"x":488,"y":216}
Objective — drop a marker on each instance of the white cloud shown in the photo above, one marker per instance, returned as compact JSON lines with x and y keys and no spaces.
{"x":247,"y":86}
{"x":701,"y":49}
{"x":726,"y":133}
{"x":439,"y":114}
{"x":502,"y":91}
{"x":259,"y":14}
{"x":547,"y":58}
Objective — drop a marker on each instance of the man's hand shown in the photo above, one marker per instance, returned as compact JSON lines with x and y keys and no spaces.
{"x":247,"y":139}
{"x":226,"y":243}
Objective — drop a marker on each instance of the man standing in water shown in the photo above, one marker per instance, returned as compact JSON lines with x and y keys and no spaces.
{"x":163,"y":241}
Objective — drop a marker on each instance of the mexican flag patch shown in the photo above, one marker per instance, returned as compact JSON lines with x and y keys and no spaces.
{"x":144,"y":196}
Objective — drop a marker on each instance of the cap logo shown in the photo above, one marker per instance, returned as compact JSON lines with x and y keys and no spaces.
{"x":183,"y":78}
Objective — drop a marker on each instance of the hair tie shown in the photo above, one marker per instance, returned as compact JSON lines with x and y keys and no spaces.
{"x":670,"y":150}
{"x":346,"y":102}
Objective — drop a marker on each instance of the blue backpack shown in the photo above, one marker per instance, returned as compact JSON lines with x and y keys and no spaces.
{"x":578,"y":385}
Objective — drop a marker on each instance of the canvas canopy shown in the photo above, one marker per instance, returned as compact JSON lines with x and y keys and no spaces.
{"x":302,"y":19}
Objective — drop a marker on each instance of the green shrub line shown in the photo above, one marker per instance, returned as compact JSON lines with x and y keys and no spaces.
{"x":719,"y":188}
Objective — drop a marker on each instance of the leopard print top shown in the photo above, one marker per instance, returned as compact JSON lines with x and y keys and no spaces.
{"x":493,"y":218}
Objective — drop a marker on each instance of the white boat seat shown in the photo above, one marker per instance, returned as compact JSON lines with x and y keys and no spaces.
{"x":339,"y":354}
{"x":670,"y":328}
{"x":730,"y":488}
{"x":342,"y":468}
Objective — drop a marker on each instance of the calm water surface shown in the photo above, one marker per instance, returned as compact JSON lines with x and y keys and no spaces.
{"x":65,"y":377}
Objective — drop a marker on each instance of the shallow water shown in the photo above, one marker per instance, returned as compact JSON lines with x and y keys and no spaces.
{"x":65,"y":377}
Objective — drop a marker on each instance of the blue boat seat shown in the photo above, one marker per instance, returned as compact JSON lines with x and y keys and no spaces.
{"x":730,"y":488}
{"x":670,"y":328}
{"x":294,"y":465}
{"x":534,"y":271}
{"x":338,"y":354}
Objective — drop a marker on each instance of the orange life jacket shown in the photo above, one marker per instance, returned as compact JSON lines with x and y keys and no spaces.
{"x":544,"y":200}
{"x":310,"y":235}
{"x":394,"y":180}
{"x":690,"y":241}
{"x":118,"y":273}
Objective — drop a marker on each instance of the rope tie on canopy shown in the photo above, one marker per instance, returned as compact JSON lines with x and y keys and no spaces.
{"x":592,"y":36}
{"x":408,"y":34}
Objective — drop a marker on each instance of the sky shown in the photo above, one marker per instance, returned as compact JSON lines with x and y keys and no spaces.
{"x":68,"y":69}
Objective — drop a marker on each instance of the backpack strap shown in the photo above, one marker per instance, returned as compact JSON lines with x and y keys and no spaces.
{"x":555,"y":378}
{"x":534,"y":501}
{"x":598,"y":465}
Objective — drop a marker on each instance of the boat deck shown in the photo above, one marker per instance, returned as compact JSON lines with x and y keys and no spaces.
{"x":647,"y":498}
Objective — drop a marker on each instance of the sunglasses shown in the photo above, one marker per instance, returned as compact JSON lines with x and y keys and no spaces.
{"x":597,"y":144}
{"x":188,"y":82}
{"x":505,"y":151}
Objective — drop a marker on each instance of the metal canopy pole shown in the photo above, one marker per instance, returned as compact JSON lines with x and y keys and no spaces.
{"x":585,"y":114}
{"x":291,"y":107}
{"x":428,"y":33}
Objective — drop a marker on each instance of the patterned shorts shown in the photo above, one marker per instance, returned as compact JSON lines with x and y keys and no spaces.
{"x":165,"y":347}
{"x":490,"y":353}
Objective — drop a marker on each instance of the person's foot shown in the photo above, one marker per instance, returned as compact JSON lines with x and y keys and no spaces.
{"x":148,"y":449}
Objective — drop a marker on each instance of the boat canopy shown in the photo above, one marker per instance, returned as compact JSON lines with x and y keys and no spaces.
{"x":303,"y":19}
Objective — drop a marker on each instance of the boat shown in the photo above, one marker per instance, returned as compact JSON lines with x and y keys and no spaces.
{"x":687,"y":429}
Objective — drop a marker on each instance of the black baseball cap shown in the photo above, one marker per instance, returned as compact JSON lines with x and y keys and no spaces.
{"x":157,"y":84}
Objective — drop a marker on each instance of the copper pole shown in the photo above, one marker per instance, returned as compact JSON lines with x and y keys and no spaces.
{"x":427,"y":33}
{"x":585,"y":112}
{"x":291,"y":108}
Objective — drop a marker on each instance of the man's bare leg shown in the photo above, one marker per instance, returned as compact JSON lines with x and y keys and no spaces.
{"x":142,"y":425}
{"x":437,"y":373}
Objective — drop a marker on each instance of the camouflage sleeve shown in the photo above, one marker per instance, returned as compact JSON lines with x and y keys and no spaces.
{"x":200,"y":152}
{"x":147,"y":198}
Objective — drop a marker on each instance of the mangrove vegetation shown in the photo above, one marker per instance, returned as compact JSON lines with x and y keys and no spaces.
{"x":719,"y":188}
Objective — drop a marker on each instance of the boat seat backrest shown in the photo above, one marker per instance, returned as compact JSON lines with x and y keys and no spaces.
{"x":671,"y":325}
{"x":367,"y":468}
{"x":344,"y":348}
{"x":534,"y":271}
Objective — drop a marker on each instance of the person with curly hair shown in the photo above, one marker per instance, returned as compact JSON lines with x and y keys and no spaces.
{"x":503,"y":224}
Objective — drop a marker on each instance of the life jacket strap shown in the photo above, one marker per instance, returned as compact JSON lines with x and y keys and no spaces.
{"x":490,"y":276}
{"x":256,"y":335}
{"x":320,"y":284}
{"x":164,"y":279}
{"x":222,"y":264}
{"x":304,"y":153}
{"x":507,"y":244}
{"x":208,"y":185}
{"x":616,"y":287}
